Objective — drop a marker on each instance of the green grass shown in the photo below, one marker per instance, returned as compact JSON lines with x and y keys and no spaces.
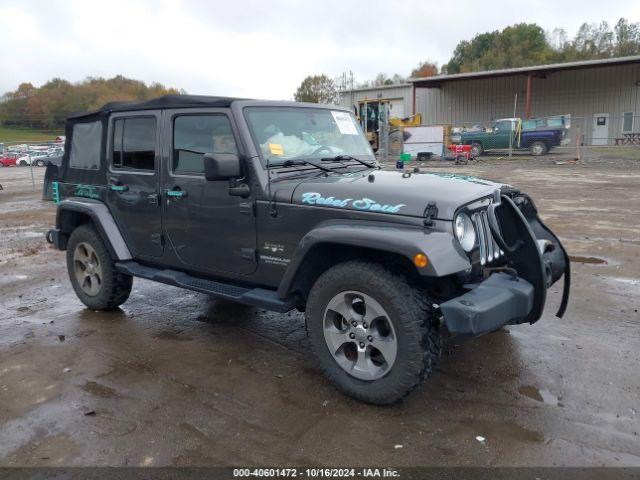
{"x":9,"y":134}
{"x":631,"y":152}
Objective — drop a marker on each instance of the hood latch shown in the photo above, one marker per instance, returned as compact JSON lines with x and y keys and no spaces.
{"x":430,"y":214}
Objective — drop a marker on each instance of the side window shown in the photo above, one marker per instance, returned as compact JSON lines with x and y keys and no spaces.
{"x":134,"y":143}
{"x":86,"y":146}
{"x":195,"y":135}
{"x":627,"y":122}
{"x":503,"y":126}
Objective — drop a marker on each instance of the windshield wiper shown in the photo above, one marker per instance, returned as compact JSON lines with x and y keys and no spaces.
{"x":341,"y":158}
{"x":291,"y":163}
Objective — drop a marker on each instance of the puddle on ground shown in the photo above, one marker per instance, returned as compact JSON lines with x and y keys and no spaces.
{"x":172,"y":335}
{"x":506,"y":431}
{"x":99,"y":390}
{"x":538,"y":394}
{"x":628,"y":281}
{"x":588,"y":260}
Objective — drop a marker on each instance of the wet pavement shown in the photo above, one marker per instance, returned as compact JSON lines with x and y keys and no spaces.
{"x":177,"y":378}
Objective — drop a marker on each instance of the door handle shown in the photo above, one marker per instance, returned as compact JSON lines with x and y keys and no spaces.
{"x":176,"y":192}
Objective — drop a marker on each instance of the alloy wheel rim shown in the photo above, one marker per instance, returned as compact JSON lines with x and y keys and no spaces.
{"x":87,"y":269}
{"x":360,"y":336}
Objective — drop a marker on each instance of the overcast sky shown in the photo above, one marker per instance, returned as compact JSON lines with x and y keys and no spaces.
{"x":257,"y":48}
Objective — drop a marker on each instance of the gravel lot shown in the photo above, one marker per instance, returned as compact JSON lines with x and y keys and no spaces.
{"x":176,"y":378}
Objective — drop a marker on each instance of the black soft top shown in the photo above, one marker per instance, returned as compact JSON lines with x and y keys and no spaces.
{"x":166,"y":101}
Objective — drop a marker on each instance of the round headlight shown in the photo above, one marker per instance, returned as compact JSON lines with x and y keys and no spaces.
{"x":465,"y":233}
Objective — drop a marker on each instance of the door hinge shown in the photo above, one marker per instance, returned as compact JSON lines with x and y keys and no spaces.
{"x":154,"y":199}
{"x":157,"y":239}
{"x":430,"y":214}
{"x":248,"y":208}
{"x":250,"y":254}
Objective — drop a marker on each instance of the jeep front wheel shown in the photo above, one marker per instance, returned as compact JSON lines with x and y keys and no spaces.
{"x":92,"y":272}
{"x":375,"y":335}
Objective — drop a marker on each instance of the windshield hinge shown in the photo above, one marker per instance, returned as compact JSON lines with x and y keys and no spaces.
{"x":430,"y":214}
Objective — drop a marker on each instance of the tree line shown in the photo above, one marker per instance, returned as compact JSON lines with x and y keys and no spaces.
{"x":519,"y":45}
{"x":48,"y":106}
{"x":527,"y":44}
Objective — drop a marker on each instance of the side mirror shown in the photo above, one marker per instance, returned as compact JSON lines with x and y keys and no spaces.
{"x":221,"y":166}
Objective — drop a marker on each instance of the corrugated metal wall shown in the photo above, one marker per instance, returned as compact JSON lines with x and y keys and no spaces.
{"x":350,"y":98}
{"x":581,"y":93}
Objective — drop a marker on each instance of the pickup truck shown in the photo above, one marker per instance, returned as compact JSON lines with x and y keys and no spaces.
{"x":508,"y":132}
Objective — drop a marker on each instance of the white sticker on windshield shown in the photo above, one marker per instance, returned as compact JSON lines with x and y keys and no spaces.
{"x":345,"y":123}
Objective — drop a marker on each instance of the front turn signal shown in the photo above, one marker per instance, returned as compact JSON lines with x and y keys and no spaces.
{"x":420,"y":260}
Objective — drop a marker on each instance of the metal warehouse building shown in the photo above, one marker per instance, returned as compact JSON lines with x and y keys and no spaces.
{"x":601,"y":98}
{"x":400,"y":97}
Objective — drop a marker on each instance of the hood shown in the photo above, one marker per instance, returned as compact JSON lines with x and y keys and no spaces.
{"x":392,"y":192}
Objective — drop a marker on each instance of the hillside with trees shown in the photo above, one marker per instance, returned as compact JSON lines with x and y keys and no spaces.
{"x":527,"y":44}
{"x":48,"y":106}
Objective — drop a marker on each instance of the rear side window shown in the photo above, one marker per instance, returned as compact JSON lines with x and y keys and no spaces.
{"x":134,"y":143}
{"x":86,"y":146}
{"x":195,"y":135}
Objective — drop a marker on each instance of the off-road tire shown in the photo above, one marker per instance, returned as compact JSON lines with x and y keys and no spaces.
{"x":415,"y":321}
{"x":116,"y":286}
{"x":539,"y":147}
{"x":476,"y":149}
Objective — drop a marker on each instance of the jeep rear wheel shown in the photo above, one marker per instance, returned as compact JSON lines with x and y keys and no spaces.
{"x":92,"y":272}
{"x":375,"y":335}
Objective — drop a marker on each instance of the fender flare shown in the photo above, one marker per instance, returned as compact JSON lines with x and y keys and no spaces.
{"x":443,"y":251}
{"x":102,"y":219}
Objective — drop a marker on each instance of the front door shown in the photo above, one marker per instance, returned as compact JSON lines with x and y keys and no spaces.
{"x":132,"y":195}
{"x":501,"y":137}
{"x":209,"y":230}
{"x":600,"y":131}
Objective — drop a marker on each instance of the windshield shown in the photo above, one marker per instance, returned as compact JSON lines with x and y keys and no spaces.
{"x":299,"y":133}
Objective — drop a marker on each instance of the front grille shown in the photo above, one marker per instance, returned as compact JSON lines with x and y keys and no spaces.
{"x":489,"y":249}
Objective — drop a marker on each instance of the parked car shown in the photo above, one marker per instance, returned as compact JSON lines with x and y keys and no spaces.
{"x":508,"y":133}
{"x":38,"y":160}
{"x":8,"y":160}
{"x":282,"y":206}
{"x":24,"y":160}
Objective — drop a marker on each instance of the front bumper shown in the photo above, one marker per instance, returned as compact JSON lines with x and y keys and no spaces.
{"x":535,"y":260}
{"x":501,"y":299}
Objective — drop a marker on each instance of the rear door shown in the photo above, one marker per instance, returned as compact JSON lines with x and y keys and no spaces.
{"x":209,"y":230}
{"x":133,"y":192}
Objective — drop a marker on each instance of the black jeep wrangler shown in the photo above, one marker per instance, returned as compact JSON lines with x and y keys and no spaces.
{"x":282,"y":205}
